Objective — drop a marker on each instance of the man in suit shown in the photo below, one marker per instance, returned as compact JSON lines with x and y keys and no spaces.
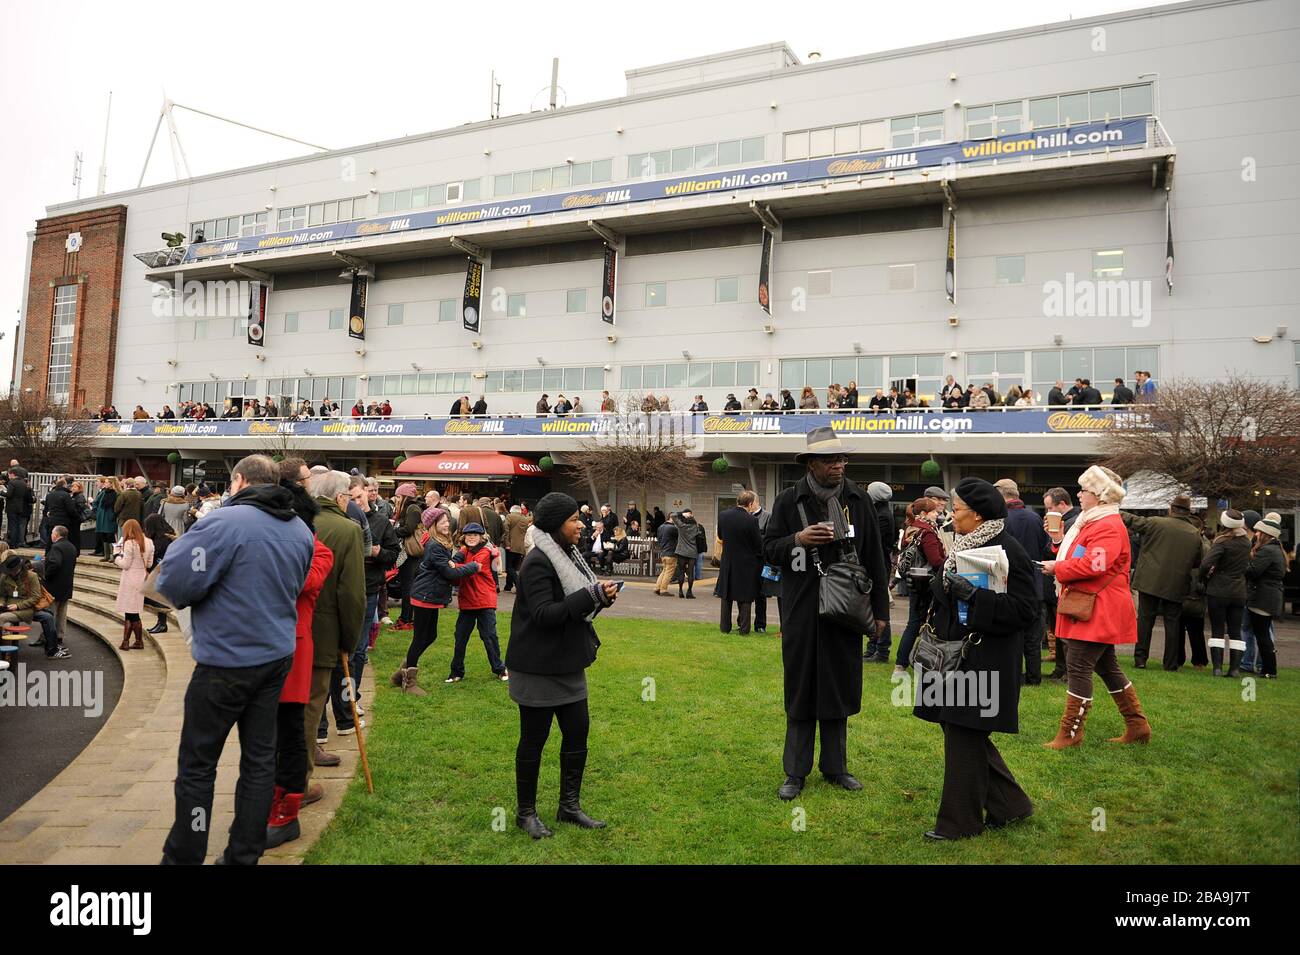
{"x":742,"y":560}
{"x":1123,"y":394}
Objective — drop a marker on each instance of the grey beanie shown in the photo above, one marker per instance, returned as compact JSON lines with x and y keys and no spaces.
{"x":879,"y":491}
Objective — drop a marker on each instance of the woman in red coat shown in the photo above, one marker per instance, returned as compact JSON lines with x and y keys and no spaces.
{"x":291,"y":745}
{"x":1094,"y":557}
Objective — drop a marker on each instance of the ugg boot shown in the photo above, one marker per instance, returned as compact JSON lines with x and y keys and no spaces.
{"x":409,"y":684}
{"x":1234,"y":663}
{"x":126,"y":636}
{"x":396,"y":678}
{"x":526,"y":817}
{"x":1216,"y":658}
{"x":283,"y":825}
{"x":136,"y":628}
{"x":571,"y":769}
{"x":1071,"y":729}
{"x":161,"y":625}
{"x":1051,"y":647}
{"x":1136,"y":727}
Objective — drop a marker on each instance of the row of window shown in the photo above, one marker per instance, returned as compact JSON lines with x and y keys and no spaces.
{"x":314,"y":389}
{"x":695,"y":374}
{"x":426,"y":197}
{"x":321,"y":213}
{"x":731,"y":152}
{"x":549,"y":178}
{"x":230,"y":227}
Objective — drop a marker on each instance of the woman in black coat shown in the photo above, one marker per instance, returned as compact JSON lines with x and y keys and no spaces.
{"x":1224,"y":572}
{"x":1264,"y":596}
{"x":742,"y":561}
{"x":978,"y":788}
{"x":552,"y":642}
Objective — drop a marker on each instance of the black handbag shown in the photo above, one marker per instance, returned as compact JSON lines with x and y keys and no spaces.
{"x":939,"y":656}
{"x":843,"y":589}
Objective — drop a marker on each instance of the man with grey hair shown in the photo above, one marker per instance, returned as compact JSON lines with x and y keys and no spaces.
{"x":340,"y":606}
{"x":240,"y":571}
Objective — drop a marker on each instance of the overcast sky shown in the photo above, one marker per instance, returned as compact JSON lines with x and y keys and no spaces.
{"x":343,"y":74}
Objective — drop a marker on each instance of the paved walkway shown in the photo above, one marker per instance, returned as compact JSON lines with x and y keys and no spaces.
{"x":114,"y":803}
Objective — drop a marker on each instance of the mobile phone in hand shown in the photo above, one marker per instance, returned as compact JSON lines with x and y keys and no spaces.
{"x":618,"y":585}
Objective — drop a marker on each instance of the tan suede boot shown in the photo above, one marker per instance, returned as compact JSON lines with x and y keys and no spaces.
{"x":409,"y":684}
{"x":1070,"y":732}
{"x":1136,"y":727}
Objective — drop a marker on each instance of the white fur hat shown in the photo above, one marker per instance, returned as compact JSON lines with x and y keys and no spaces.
{"x":1105,"y":483}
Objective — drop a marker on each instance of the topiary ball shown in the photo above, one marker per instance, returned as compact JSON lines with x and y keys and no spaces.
{"x":277,"y":458}
{"x":546,"y":462}
{"x":174,"y":458}
{"x":931,"y":471}
{"x":721,"y":465}
{"x":397,"y":461}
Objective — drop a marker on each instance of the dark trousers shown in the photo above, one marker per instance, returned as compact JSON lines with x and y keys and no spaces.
{"x":426,"y":631}
{"x":17,"y":529}
{"x":1171,"y":612}
{"x":340,"y":701}
{"x":486,"y":619}
{"x":746,"y":607}
{"x":918,"y":605}
{"x":1225,"y":622}
{"x":218,"y":699}
{"x":1087,"y":658}
{"x":880,"y":644}
{"x":1262,"y":625}
{"x":406,"y":574}
{"x":685,"y":574}
{"x":513,"y":561}
{"x":1194,"y":633}
{"x":760,"y":613}
{"x":798,"y":757}
{"x":290,"y":748}
{"x":1033,"y":642}
{"x":535,"y":727}
{"x":975,"y":781}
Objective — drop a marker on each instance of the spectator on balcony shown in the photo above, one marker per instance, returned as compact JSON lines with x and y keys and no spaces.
{"x":979,"y":400}
{"x":112,"y":414}
{"x":699,"y":405}
{"x":787,"y":401}
{"x":480,"y":408}
{"x":808,"y":399}
{"x":664,"y":403}
{"x":995,"y":399}
{"x":543,"y":408}
{"x":850,"y":397}
{"x":607,"y":404}
{"x":1026,"y":400}
{"x":1146,"y":388}
{"x":1056,"y":397}
{"x":770,"y":404}
{"x":1013,"y":396}
{"x":166,"y":414}
{"x":833,"y":397}
{"x":139,"y":414}
{"x":577,"y":406}
{"x":1122,"y":395}
{"x":358,"y":409}
{"x":563,"y":406}
{"x":305,"y":412}
{"x":649,"y":404}
{"x":1072,"y":395}
{"x":951,"y":390}
{"x":879,"y":401}
{"x":732,"y":407}
{"x":1088,"y":396}
{"x":385,"y":410}
{"x":751,"y":402}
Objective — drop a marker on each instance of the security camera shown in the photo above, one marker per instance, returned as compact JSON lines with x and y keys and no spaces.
{"x":611,"y":338}
{"x":956,"y":103}
{"x":953,"y":355}
{"x":608,"y":367}
{"x":769,"y":329}
{"x":953,"y":321}
{"x":260,"y":357}
{"x":364,"y":377}
{"x":952,"y":77}
{"x":477,"y":343}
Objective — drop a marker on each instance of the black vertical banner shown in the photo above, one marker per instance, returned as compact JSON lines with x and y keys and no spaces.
{"x":357,"y":307}
{"x":470,"y":304}
{"x":256,"y":314}
{"x":765,"y":271}
{"x":609,"y":284}
{"x":1169,"y":246}
{"x":950,"y":273}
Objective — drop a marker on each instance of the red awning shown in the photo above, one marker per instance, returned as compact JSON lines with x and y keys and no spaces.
{"x":480,"y":465}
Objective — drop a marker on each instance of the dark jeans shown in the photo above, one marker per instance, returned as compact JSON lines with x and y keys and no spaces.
{"x":339,"y":701}
{"x":290,"y":748}
{"x":1262,"y":625}
{"x":49,"y":630}
{"x":535,"y":727}
{"x":1171,"y":611}
{"x":918,"y":605}
{"x":218,"y":699}
{"x":760,"y":613}
{"x":486,"y":619}
{"x":513,"y":561}
{"x":405,"y":575}
{"x":1194,"y":631}
{"x":798,"y":757}
{"x":746,"y":608}
{"x":975,"y":781}
{"x":1033,"y":640}
{"x":17,"y":532}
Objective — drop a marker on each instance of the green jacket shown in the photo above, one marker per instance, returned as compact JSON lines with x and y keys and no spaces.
{"x":342,"y":601}
{"x":23,"y":592}
{"x":1171,"y":547}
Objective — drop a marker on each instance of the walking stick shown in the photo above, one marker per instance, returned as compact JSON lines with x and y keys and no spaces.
{"x":361,"y":738}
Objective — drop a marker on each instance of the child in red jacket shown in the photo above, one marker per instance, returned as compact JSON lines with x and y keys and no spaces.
{"x":477,"y":600}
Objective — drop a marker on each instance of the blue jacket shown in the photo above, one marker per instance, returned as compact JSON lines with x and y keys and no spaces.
{"x":433,"y":579}
{"x":1027,"y":528}
{"x":240,"y":570}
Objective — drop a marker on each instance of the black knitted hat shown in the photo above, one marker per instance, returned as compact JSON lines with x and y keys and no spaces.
{"x":982,"y":498}
{"x":553,"y":510}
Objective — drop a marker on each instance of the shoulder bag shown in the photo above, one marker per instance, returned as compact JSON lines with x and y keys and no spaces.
{"x":940,"y":656}
{"x":1077,"y":603}
{"x":844,"y":589}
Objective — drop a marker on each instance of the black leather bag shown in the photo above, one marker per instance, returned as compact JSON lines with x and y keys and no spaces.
{"x":843,"y":590}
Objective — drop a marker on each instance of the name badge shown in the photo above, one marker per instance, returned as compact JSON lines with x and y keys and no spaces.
{"x":851,"y":533}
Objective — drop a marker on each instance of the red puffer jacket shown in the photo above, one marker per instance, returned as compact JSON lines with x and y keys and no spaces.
{"x":297,"y":685}
{"x":477,"y":591}
{"x":1100,"y":558}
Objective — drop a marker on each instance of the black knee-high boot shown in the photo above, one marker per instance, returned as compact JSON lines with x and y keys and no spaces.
{"x":526,"y":817}
{"x":1216,"y":657}
{"x":571,"y":769}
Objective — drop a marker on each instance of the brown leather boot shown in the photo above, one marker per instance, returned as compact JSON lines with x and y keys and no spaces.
{"x":1070,"y":732}
{"x":1136,"y":727}
{"x":126,"y":636}
{"x":136,"y":628}
{"x":1051,"y":647}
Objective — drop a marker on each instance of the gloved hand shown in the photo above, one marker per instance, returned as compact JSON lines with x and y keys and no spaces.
{"x":958,"y":586}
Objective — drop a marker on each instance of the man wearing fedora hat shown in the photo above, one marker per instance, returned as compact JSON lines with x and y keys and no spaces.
{"x":823,"y":519}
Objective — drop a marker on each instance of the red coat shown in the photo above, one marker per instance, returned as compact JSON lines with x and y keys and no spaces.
{"x":477,"y":591}
{"x":297,"y":685}
{"x":1100,"y":553}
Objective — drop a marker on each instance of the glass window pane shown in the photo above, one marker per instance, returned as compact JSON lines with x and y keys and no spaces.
{"x":873,"y":135}
{"x":1104,"y":104}
{"x":753,"y":150}
{"x":930,"y":121}
{"x":516,"y":306}
{"x":593,"y":379}
{"x":706,"y":156}
{"x":396,"y":314}
{"x":656,"y":294}
{"x":979,"y":130}
{"x":533,"y":379}
{"x":576,"y":300}
{"x":980,"y":364}
{"x":1009,"y":363}
{"x":818,"y":372}
{"x":729,"y":153}
{"x":512,"y":380}
{"x":1108,"y":264}
{"x":402,"y":200}
{"x":345,"y":210}
{"x":320,"y":388}
{"x":1108,"y":363}
{"x":503,"y":185}
{"x":1008,"y":126}
{"x":304,"y":387}
{"x":552,"y":380}
{"x":844,"y":370}
{"x":700,"y":373}
{"x":683,"y":158}
{"x":674,"y":375}
{"x":929,"y":365}
{"x":573,"y":380}
{"x":846,"y":139}
{"x":724,"y":374}
{"x":1076,"y":363}
{"x":471,"y":190}
{"x":1042,"y":112}
{"x":428,"y":384}
{"x":726,"y":290}
{"x":629,"y":378}
{"x":560,"y":177}
{"x":1046,"y":365}
{"x":408,"y":384}
{"x":1136,"y":100}
{"x":871,"y":372}
{"x":821,"y":142}
{"x":1010,"y":270}
{"x":420,"y":197}
{"x":602,"y":170}
{"x":977,"y":114}
{"x":796,"y":145}
{"x":653,"y":376}
{"x":1074,"y":109}
{"x":523,"y":182}
{"x":444,"y":382}
{"x":1143,"y":359}
{"x":541,"y":180}
{"x":317,"y":215}
{"x":746,"y":373}
{"x":581,"y":174}
{"x":792,"y":372}
{"x":902,"y":366}
{"x":491,"y":383}
{"x":447,"y":310}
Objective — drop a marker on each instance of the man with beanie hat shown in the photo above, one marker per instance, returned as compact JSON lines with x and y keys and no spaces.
{"x":1170,"y":551}
{"x":881,"y":494}
{"x":824,"y":519}
{"x":1024,"y":525}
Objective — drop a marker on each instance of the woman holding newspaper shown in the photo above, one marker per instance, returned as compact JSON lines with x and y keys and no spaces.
{"x":1095,"y":608}
{"x":983,"y":598}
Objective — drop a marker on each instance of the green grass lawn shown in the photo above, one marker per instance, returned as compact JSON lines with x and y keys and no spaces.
{"x":691,"y":777}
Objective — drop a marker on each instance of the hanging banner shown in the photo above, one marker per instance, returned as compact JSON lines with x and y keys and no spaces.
{"x":257,"y":314}
{"x":765,"y":271}
{"x":950,"y":273}
{"x":469,"y":306}
{"x":609,"y":285}
{"x":1169,"y":247}
{"x":357,"y":308}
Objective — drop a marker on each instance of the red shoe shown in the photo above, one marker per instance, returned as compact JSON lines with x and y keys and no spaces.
{"x":403,"y":626}
{"x":283,"y":826}
{"x":275,"y":804}
{"x":374,"y":635}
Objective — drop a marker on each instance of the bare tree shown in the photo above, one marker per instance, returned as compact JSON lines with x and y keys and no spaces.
{"x":1224,"y":439}
{"x":632,"y":447}
{"x":45,"y":436}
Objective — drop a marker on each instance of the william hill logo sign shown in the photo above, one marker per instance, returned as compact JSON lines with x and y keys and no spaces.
{"x":1078,"y":421}
{"x":731,"y":425}
{"x":474,"y":427}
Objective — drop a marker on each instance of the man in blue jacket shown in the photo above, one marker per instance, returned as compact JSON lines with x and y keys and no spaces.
{"x":1027,"y":528}
{"x":240,"y":571}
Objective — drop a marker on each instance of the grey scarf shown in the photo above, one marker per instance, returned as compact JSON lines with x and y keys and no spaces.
{"x":572,"y":570}
{"x":834,"y":512}
{"x":976,"y":538}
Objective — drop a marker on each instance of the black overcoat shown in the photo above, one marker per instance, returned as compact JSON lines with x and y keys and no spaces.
{"x":823,"y":661}
{"x":742,"y":555}
{"x":1000,"y":621}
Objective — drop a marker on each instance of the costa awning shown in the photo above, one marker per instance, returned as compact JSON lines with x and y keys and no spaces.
{"x":469,"y":465}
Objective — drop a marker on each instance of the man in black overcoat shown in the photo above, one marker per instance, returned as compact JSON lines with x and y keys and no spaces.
{"x":822,"y":660}
{"x":742,"y":560}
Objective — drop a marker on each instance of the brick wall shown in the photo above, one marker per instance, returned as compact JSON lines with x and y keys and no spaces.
{"x":97,"y":271}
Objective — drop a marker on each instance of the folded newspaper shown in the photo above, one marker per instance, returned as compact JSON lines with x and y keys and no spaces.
{"x":985,"y":567}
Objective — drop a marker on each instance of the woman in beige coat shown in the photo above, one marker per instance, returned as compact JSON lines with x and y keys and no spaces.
{"x":134,"y":556}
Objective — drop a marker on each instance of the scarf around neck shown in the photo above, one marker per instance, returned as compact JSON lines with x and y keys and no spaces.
{"x":976,"y":538}
{"x":572,"y":570}
{"x":1085,"y":517}
{"x":834,"y":514}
